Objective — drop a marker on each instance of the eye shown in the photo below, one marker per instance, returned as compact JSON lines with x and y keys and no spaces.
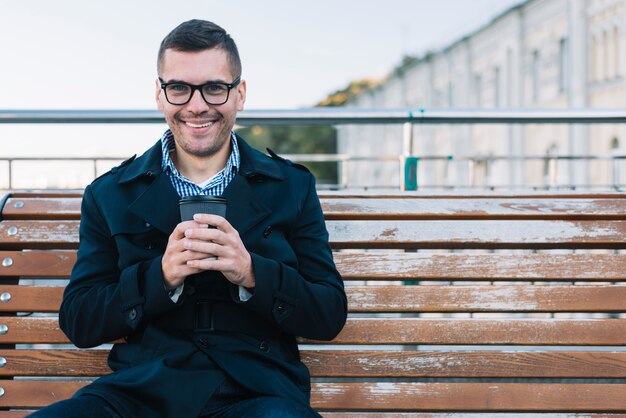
{"x":215,"y":88}
{"x":177,"y":88}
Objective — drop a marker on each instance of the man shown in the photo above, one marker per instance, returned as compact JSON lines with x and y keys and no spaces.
{"x":209,"y":315}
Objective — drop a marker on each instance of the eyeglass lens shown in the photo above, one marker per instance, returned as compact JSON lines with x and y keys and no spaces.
{"x":213,"y":93}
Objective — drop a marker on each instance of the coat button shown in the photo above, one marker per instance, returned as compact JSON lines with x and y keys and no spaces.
{"x":264,"y":346}
{"x":149,"y":246}
{"x":267,"y":232}
{"x":281,"y":308}
{"x":132,"y":315}
{"x":148,"y":225}
{"x":190,"y":290}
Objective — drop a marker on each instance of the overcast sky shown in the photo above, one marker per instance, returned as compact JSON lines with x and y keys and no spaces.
{"x":81,"y":54}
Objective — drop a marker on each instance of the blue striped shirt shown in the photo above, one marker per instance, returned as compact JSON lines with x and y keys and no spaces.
{"x":185,"y":187}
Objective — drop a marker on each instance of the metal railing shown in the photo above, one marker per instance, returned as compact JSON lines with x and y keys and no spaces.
{"x":344,"y":116}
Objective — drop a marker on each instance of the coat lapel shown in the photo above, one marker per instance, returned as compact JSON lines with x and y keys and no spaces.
{"x":158,"y":205}
{"x":244,"y":210}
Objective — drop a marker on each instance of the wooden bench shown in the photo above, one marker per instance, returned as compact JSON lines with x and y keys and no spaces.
{"x":459,"y":306}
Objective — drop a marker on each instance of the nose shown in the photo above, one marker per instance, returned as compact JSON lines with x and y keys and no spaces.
{"x":196,"y":103}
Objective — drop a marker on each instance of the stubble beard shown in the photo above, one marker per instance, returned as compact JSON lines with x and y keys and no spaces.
{"x":205,"y":148}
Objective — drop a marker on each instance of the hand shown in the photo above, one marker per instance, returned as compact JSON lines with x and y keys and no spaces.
{"x":221,"y":241}
{"x":174,"y":262}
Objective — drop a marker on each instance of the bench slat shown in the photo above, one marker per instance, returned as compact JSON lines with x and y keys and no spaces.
{"x":53,"y":264}
{"x":477,"y":234}
{"x":394,"y":266}
{"x":529,"y":267}
{"x":394,"y":298}
{"x":451,"y":208}
{"x":528,"y":207}
{"x":454,"y":415}
{"x":462,"y":331}
{"x":22,"y":414}
{"x":457,"y":331}
{"x":486,"y":298}
{"x":387,"y":234}
{"x":42,"y":208}
{"x":469,"y":396}
{"x":363,"y":363}
{"x":395,"y":396}
{"x":39,"y":234}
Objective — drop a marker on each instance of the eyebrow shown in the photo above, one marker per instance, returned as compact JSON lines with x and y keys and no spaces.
{"x":201,"y":84}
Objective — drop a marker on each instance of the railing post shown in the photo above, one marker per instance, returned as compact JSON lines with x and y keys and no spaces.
{"x":615,"y":170}
{"x":408,"y":164}
{"x":10,"y":174}
{"x":552,"y":174}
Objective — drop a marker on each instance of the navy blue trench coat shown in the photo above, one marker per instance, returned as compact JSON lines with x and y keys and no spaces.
{"x":176,"y":354}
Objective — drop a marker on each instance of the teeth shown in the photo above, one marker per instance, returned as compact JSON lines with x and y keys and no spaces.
{"x":195,"y":125}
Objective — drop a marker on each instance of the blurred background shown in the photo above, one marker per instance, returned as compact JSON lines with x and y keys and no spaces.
{"x":487,"y":55}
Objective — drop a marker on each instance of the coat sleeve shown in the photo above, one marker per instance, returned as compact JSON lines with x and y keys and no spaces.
{"x":102,"y":302}
{"x":308,"y":301}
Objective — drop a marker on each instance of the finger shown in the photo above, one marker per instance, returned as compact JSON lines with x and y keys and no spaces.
{"x":213,"y":220}
{"x":179,"y":231}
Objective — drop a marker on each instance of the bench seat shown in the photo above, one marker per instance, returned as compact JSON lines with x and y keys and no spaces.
{"x":459,"y":306}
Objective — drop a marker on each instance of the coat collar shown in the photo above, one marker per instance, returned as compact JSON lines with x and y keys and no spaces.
{"x":253,"y":163}
{"x":245,"y":208}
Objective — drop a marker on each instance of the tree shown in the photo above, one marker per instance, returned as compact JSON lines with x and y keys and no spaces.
{"x":307,"y":139}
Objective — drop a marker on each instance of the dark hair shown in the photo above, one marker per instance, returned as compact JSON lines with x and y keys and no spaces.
{"x":198,"y":35}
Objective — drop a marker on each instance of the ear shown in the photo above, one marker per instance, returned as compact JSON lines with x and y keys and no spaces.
{"x":241,"y":95}
{"x":159,"y":97}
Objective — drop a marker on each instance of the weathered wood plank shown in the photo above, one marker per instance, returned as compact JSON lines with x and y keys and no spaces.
{"x":486,"y":298}
{"x":528,"y":267}
{"x":36,"y":393}
{"x":386,"y":234}
{"x":477,"y":234}
{"x":479,"y":363}
{"x":67,"y":206}
{"x":453,"y":331}
{"x":364,"y":363}
{"x":469,"y":396}
{"x":42,"y":208}
{"x":22,"y":414}
{"x":394,"y":396}
{"x":53,"y":264}
{"x":31,"y":298}
{"x":54,"y":362}
{"x":394,"y":266}
{"x":462,"y":331}
{"x":454,"y":208}
{"x":394,"y":298}
{"x":361,"y":414}
{"x":15,"y":235}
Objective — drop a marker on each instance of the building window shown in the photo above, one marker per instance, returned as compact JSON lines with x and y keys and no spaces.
{"x":478,"y":89}
{"x":451,"y":95}
{"x":616,"y":51}
{"x":563,"y":65}
{"x":509,"y":77}
{"x":605,"y":55}
{"x":595,"y":58}
{"x":496,"y":87}
{"x":536,"y":75}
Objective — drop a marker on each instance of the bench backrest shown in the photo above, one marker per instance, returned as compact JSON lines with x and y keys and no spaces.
{"x":457,"y":303}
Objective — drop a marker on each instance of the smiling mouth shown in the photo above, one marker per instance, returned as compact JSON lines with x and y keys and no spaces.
{"x":199,"y":125}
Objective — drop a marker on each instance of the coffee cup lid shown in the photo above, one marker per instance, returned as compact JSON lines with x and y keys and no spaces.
{"x":202,"y":198}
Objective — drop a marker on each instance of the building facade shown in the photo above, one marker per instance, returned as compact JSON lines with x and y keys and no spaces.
{"x":540,"y":54}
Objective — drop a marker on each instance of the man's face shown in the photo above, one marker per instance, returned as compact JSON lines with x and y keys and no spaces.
{"x":200,"y":129}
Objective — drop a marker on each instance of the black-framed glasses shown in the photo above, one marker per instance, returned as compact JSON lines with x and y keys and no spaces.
{"x":214,"y":93}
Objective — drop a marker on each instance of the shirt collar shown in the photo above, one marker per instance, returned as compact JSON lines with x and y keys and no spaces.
{"x":168,"y":145}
